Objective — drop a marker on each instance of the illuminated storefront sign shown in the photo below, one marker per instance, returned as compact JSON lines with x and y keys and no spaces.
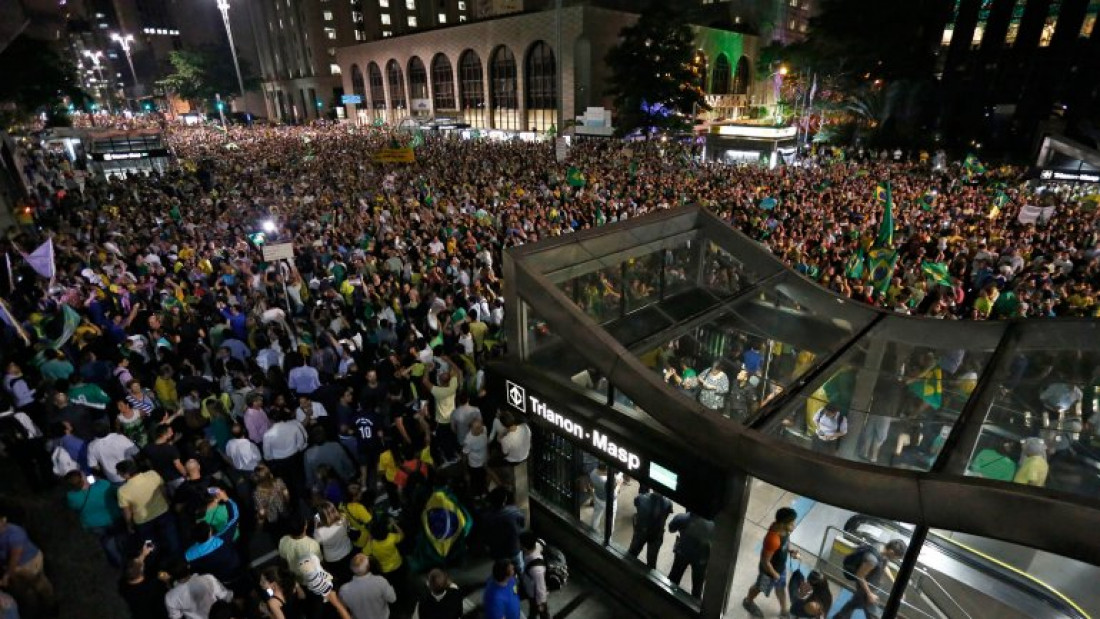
{"x":528,"y":404}
{"x":1071,"y":176}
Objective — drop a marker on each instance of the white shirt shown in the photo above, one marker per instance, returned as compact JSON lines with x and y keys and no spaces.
{"x":243,"y":453}
{"x":476,"y":449}
{"x":516,"y":445}
{"x":317,"y":410}
{"x":108,"y":451}
{"x":283,"y":440}
{"x":334,"y":541}
{"x":193,"y":599}
{"x":827,"y":425}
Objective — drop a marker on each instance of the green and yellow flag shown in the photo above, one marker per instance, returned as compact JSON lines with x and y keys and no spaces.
{"x":999,"y":202}
{"x":936,"y":273}
{"x":880,"y":262}
{"x":854,"y":267}
{"x":929,"y":387}
{"x":575,"y":178}
{"x":885,"y":236}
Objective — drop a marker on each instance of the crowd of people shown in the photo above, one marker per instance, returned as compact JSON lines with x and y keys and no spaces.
{"x":195,"y":397}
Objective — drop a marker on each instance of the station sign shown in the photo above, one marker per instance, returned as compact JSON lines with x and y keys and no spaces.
{"x":1070,"y":176}
{"x":351,"y":99}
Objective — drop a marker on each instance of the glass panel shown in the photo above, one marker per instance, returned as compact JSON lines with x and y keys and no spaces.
{"x":961,"y":575}
{"x":598,"y":294}
{"x":549,"y":353}
{"x":641,"y":527}
{"x":722,"y":273}
{"x":1042,"y":411}
{"x":574,"y":480}
{"x":778,"y":522}
{"x":643,"y":281}
{"x":681,"y":268}
{"x":891,"y":400}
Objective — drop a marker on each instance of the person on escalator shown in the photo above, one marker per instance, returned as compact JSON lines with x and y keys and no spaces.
{"x":810,"y":595}
{"x":773,"y":563}
{"x":865,"y":567}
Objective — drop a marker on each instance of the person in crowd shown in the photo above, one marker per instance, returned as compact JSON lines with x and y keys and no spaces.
{"x":773,"y":563}
{"x":192,"y":595}
{"x":534,"y":576}
{"x":144,"y":503}
{"x":500,"y":599}
{"x":651,"y":512}
{"x":810,"y":595}
{"x":271,"y":500}
{"x":142,"y":591}
{"x":331,"y":532}
{"x":297,"y":544}
{"x":692,"y":549}
{"x":24,"y":569}
{"x":95,"y":502}
{"x":501,"y":526}
{"x":441,"y":599}
{"x":714,"y":386}
{"x":367,"y":595}
{"x":108,"y":450}
{"x":869,"y":593}
{"x":320,"y":590}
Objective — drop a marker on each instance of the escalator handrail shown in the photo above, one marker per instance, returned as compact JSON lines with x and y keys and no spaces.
{"x":969,"y":556}
{"x":928,"y":575}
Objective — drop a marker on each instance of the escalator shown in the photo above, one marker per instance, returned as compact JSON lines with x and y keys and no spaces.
{"x":952,"y":580}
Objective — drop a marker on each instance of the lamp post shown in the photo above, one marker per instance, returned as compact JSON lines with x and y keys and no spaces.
{"x":778,"y":87}
{"x":95,"y":57}
{"x":223,"y":6}
{"x":124,"y":41}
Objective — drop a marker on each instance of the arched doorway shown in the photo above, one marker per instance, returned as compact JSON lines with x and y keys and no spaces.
{"x":359,"y":87}
{"x":503,"y":99}
{"x":471,"y":91}
{"x":443,"y":83}
{"x":742,"y":79}
{"x":540,"y":84}
{"x":377,"y":93}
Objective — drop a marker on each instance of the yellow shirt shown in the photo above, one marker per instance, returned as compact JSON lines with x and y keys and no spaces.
{"x":385,"y":550}
{"x":294,"y":550}
{"x":1033,"y":471}
{"x":169,"y":397}
{"x":359,"y":518}
{"x":143,"y":494}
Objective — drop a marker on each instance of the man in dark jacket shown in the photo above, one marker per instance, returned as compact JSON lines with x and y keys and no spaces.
{"x":692,"y":549}
{"x":442,"y":599}
{"x":501,"y":527}
{"x":651,"y":513}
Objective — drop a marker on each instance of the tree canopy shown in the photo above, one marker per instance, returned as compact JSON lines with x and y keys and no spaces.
{"x":656,"y":78}
{"x":200,"y":74}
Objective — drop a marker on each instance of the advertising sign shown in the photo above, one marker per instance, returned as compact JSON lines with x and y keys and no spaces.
{"x":394,"y":155}
{"x":351,"y":99}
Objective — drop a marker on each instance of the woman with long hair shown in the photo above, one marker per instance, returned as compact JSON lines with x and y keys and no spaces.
{"x":283,"y":598}
{"x":331,"y":533}
{"x":272,"y":501}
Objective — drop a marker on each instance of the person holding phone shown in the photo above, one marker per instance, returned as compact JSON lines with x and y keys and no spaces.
{"x":95,"y":502}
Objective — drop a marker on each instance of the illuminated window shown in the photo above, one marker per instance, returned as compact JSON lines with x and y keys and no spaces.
{"x":461,"y":18}
{"x":1014,"y":23}
{"x":412,"y":21}
{"x":442,"y":18}
{"x":328,"y":15}
{"x":410,"y":5}
{"x":387,"y":33}
{"x":332,"y":52}
{"x":948,"y":34}
{"x":1090,"y":19}
{"x":385,"y":19}
{"x":334,"y":68}
{"x":383,"y":4}
{"x":461,"y":6}
{"x":360,"y":35}
{"x":979,"y":30}
{"x":1050,"y":24}
{"x":330,"y":33}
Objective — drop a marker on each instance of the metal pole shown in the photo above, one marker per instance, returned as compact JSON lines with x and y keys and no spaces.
{"x":221,"y":109}
{"x":224,"y":6}
{"x":558,"y":67}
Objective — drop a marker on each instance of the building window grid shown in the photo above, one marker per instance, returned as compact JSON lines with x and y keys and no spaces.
{"x":502,"y":78}
{"x":377,"y":87}
{"x":418,"y":79}
{"x":358,"y":86}
{"x":443,"y":86}
{"x":396,"y":79}
{"x":541,"y":86}
{"x":1050,"y":24}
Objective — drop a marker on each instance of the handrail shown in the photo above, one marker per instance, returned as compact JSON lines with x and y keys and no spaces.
{"x":926,"y":574}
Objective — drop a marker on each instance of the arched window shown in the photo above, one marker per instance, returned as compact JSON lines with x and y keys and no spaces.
{"x":472,"y":89}
{"x":443,"y":83}
{"x":377,"y":92}
{"x":540,"y":82}
{"x":720,"y":81}
{"x":502,"y":77}
{"x":396,"y":81}
{"x":358,"y":86}
{"x":742,"y":80}
{"x":418,"y":85}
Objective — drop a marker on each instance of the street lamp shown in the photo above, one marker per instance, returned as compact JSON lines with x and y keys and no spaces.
{"x":124,"y":42}
{"x":95,"y":57}
{"x":778,"y":75}
{"x":223,"y":6}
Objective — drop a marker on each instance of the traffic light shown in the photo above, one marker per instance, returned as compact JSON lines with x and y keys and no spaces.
{"x":220,"y":106}
{"x":320,"y":104}
{"x":147,"y":106}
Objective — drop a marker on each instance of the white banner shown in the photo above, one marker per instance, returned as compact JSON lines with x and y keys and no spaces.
{"x":1030,"y":214}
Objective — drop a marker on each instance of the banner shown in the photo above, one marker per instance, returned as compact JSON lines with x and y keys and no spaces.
{"x":1030,"y":214}
{"x":41,"y":259}
{"x":394,"y":155}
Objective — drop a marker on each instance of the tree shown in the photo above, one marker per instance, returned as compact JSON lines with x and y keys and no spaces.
{"x":36,"y":76}
{"x":656,"y":75}
{"x":202,"y":73}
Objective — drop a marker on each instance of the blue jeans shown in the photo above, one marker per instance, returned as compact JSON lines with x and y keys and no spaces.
{"x":109,"y":541}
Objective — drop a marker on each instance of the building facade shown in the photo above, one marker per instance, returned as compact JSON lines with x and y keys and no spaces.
{"x":503,"y":73}
{"x":1014,"y":68}
{"x":296,"y":44}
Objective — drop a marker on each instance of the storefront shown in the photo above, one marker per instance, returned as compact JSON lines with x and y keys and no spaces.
{"x":615,"y":337}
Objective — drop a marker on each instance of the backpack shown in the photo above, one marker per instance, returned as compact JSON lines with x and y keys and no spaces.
{"x":557,"y":568}
{"x":855,"y":559}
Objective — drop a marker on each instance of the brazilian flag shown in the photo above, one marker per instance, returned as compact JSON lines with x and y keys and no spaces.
{"x":575,"y":178}
{"x":881,"y":263}
{"x":936,"y":273}
{"x":928,"y":200}
{"x":837,"y":390}
{"x":854,"y":267}
{"x":445,"y":524}
{"x":1000,"y":201}
{"x":883,"y":195}
{"x":929,"y":387}
{"x":972,"y":167}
